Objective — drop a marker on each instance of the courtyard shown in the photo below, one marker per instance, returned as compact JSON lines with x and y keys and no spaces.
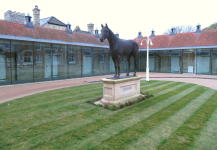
{"x":181,"y":115}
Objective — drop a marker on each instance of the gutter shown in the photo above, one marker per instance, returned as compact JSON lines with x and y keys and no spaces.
{"x":178,"y":48}
{"x":21,"y":38}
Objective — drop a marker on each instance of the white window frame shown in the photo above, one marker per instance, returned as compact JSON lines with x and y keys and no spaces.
{"x":103,"y":58}
{"x":38,"y":48}
{"x":31,"y":58}
{"x":72,"y":62}
{"x":38,"y":59}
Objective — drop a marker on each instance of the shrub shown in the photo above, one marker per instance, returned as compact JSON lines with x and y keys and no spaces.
{"x":99,"y":105}
{"x":113,"y":107}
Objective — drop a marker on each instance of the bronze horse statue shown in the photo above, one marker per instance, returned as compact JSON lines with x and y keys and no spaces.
{"x":119,"y":47}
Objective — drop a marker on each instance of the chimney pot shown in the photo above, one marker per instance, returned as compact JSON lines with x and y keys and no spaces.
{"x":29,"y":24}
{"x":139,"y":35}
{"x":97,"y":34}
{"x":198,"y":29}
{"x":173,"y":32}
{"x":68,"y":29}
{"x":152,"y":34}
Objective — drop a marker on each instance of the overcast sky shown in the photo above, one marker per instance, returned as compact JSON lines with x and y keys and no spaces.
{"x":127,"y":17}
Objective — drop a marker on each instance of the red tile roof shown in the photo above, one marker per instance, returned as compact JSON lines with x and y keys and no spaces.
{"x":18,"y":29}
{"x":206,"y":38}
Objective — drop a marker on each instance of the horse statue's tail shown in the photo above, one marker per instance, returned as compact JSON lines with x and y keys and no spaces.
{"x":136,"y":47}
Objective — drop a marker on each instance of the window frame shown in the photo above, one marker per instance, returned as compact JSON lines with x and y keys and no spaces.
{"x":31,"y":57}
{"x":40,"y":58}
{"x":101,"y":59}
{"x":38,"y":49}
{"x":74,"y":54}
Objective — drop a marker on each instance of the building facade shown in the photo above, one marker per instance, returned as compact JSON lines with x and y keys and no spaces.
{"x":31,"y":53}
{"x":192,"y":52}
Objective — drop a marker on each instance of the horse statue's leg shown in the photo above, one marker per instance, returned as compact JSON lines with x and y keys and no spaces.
{"x":115,"y":65}
{"x":128,"y":69}
{"x":118,"y":62}
{"x":135,"y":64}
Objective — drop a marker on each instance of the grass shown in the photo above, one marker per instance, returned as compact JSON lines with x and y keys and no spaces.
{"x":180,"y":116}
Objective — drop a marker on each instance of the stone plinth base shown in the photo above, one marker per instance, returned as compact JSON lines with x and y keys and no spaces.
{"x":120,"y":91}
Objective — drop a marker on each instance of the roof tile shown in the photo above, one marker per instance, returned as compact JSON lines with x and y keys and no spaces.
{"x":207,"y":37}
{"x":18,"y":29}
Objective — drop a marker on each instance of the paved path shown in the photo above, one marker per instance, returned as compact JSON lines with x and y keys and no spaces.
{"x":10,"y":92}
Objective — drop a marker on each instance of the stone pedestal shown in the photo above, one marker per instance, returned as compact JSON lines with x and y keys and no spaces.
{"x":120,"y":91}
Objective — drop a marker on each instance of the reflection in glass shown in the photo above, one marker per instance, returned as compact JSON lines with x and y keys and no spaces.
{"x":214,"y":62}
{"x":176,"y":57}
{"x":74,"y":61}
{"x":164,"y":57}
{"x":188,"y":57}
{"x":42,"y":62}
{"x":59,"y":59}
{"x":21,"y":62}
{"x":203,"y":61}
{"x":5,"y":71}
{"x":87,"y":62}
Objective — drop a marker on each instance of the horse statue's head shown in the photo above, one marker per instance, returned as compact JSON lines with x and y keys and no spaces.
{"x":104,"y":32}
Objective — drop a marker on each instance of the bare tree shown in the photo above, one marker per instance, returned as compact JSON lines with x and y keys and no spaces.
{"x":181,"y":29}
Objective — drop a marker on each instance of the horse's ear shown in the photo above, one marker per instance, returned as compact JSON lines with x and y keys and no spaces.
{"x":101,"y":25}
{"x":106,"y":25}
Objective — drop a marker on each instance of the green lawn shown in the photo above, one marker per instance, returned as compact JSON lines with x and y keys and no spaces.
{"x":179,"y":116}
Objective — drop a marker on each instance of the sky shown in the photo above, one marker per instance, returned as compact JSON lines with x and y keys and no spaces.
{"x":125,"y":17}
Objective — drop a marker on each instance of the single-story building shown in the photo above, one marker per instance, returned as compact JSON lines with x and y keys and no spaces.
{"x":191,"y":52}
{"x":47,"y":49}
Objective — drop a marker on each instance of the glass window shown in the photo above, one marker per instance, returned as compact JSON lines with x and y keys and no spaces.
{"x":164,"y":61}
{"x":42,"y":62}
{"x":98,"y":58}
{"x":38,"y":59}
{"x":74,"y":61}
{"x":72,"y":57}
{"x":188,"y":61}
{"x":90,"y":65}
{"x":5,"y":70}
{"x":214,"y":62}
{"x":27,"y":57}
{"x":21,"y":62}
{"x":7,"y":45}
{"x":203,"y":61}
{"x":176,"y":61}
{"x":38,"y":46}
{"x":101,"y":58}
{"x":59,"y":60}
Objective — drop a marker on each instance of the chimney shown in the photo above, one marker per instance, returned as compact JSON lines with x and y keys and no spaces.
{"x":139,"y":35}
{"x":117,"y":35}
{"x":198,"y":29}
{"x":152,"y":34}
{"x":96,"y":33}
{"x":90,"y":27}
{"x":36,"y":16}
{"x":68,"y":29}
{"x":28,"y":22}
{"x":173,"y":32}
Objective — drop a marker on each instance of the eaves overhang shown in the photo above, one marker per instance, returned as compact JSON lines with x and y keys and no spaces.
{"x":180,"y":48}
{"x":30,"y":39}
